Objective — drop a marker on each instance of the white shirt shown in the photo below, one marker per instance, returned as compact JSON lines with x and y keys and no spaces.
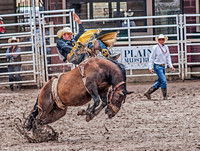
{"x":160,"y":57}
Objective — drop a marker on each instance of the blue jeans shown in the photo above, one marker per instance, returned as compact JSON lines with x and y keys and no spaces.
{"x":162,"y":81}
{"x":76,"y":58}
{"x":101,"y":45}
{"x":14,"y":68}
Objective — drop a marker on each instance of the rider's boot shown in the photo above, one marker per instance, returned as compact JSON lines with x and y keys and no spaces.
{"x":106,"y":53}
{"x":149,"y":92}
{"x":104,"y":50}
{"x":164,"y":92}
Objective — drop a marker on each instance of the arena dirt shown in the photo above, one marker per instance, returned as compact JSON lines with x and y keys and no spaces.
{"x":140,"y":125}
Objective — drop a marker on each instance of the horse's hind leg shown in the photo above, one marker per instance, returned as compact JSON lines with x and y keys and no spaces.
{"x":43,"y":106}
{"x":55,"y":114}
{"x":41,"y":109}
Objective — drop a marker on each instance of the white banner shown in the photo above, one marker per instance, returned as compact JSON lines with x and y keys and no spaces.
{"x":136,"y":57}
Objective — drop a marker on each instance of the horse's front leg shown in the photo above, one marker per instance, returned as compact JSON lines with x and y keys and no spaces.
{"x":91,"y":110}
{"x":93,"y":91}
{"x":98,"y":110}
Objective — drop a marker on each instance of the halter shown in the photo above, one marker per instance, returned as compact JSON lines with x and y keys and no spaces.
{"x":114,"y":90}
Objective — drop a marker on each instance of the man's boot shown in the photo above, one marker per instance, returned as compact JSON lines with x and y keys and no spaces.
{"x":11,"y":87}
{"x":149,"y":92}
{"x":98,"y":45}
{"x":19,"y":86}
{"x":106,"y":53}
{"x":164,"y":92}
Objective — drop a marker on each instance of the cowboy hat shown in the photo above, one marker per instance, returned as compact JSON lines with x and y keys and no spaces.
{"x":64,"y":30}
{"x":161,"y":36}
{"x":13,"y":38}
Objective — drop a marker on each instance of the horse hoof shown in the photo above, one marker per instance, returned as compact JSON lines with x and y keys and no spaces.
{"x":88,"y":118}
{"x":79,"y":113}
{"x":106,"y":111}
{"x":28,"y":127}
{"x":83,"y":112}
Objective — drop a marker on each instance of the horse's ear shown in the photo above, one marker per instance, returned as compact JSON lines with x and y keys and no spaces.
{"x":129,"y":92}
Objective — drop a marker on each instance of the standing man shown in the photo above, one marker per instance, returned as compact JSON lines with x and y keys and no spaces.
{"x":160,"y":57}
{"x":14,"y":58}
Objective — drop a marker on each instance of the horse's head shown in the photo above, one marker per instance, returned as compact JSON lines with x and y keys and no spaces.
{"x":116,"y":97}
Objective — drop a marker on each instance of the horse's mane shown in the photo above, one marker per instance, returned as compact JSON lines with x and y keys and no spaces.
{"x":123,"y":71}
{"x":122,"y":68}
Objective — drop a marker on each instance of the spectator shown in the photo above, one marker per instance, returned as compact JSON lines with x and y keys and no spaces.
{"x":2,"y":29}
{"x":14,"y":58}
{"x":48,"y":49}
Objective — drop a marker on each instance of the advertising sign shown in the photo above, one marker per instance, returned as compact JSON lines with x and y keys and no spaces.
{"x":136,"y":57}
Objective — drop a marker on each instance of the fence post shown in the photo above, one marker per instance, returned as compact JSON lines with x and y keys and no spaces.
{"x":181,"y":37}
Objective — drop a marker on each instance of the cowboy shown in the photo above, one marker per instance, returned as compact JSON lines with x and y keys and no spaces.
{"x":66,"y":43}
{"x":14,"y":58}
{"x":2,"y":29}
{"x":160,"y":57}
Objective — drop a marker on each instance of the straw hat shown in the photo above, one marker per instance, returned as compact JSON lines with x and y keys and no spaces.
{"x":1,"y":18}
{"x":161,"y":36}
{"x":13,"y":38}
{"x":64,"y":30}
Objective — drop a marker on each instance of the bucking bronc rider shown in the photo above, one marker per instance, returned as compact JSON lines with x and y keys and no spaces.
{"x":66,"y":43}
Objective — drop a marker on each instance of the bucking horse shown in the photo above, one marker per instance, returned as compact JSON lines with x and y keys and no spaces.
{"x":100,"y":79}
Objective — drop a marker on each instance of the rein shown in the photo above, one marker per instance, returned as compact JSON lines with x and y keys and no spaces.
{"x":114,"y":90}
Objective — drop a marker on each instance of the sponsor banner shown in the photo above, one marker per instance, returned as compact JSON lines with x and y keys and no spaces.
{"x":136,"y":57}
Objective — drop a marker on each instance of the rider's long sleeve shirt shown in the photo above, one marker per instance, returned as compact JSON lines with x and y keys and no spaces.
{"x":65,"y":46}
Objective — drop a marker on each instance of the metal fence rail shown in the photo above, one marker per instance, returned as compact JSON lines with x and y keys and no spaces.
{"x":176,"y":41}
{"x":39,"y":35}
{"x":192,"y":40}
{"x":51,"y":69}
{"x":132,"y":40}
{"x":27,"y":54}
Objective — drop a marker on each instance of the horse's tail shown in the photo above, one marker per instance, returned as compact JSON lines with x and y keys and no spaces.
{"x":36,"y":104}
{"x":28,"y":124}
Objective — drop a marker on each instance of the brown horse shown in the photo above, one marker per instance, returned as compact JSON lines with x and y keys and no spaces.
{"x":91,"y":79}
